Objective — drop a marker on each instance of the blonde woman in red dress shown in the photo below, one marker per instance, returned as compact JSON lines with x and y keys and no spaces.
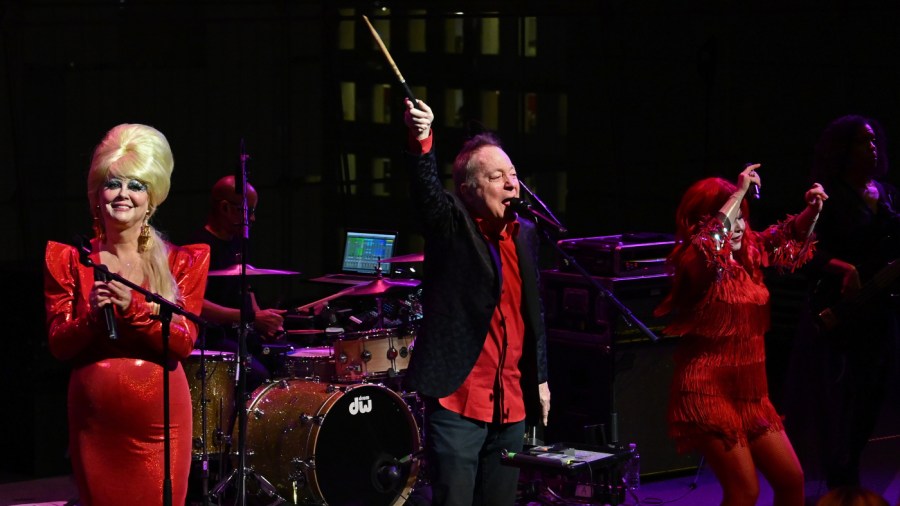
{"x":115,"y":399}
{"x":719,"y":402}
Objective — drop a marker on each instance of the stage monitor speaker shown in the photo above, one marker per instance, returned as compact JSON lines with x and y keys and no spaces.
{"x":606,"y":375}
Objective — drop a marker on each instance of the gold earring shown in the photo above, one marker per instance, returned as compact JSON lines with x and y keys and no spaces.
{"x":144,"y":238}
{"x":98,"y":228}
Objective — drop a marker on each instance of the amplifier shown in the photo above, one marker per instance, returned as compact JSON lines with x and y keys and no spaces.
{"x":630,"y":254}
{"x":599,"y":365}
{"x":574,"y":307}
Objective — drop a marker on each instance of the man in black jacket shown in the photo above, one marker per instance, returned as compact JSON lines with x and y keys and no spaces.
{"x":480,"y":360}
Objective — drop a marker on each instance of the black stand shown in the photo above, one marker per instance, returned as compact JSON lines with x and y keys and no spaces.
{"x":241,"y":471}
{"x":570,"y":474}
{"x":166,"y":310}
{"x":204,"y":421}
{"x":547,"y":229}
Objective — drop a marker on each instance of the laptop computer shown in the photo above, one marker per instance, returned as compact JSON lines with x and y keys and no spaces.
{"x":362,"y":251}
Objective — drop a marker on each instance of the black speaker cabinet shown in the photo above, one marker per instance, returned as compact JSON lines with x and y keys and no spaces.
{"x":607,"y":379}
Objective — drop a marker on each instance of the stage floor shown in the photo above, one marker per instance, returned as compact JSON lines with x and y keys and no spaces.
{"x":880,"y":466}
{"x":881,"y":473}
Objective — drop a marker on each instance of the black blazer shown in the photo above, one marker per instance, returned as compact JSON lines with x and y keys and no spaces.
{"x":461,"y":288}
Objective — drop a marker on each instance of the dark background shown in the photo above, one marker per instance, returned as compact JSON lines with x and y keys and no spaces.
{"x":658,"y":94}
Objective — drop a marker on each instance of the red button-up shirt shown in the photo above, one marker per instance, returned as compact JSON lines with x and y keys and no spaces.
{"x":492,"y":392}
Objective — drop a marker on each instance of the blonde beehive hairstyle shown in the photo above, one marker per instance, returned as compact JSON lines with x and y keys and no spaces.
{"x":134,"y":151}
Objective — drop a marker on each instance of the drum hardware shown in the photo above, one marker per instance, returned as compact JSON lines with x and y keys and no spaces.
{"x":303,"y":465}
{"x":241,"y":471}
{"x":264,"y":485}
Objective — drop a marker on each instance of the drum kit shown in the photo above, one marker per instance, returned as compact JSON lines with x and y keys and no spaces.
{"x":333,"y":426}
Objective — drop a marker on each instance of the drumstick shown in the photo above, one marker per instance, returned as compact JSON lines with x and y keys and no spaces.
{"x":311,"y":305}
{"x":390,"y":60}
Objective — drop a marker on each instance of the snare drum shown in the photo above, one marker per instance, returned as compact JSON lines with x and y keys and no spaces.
{"x":314,"y":362}
{"x":219,"y":405}
{"x":374,"y":354}
{"x":322,"y":444}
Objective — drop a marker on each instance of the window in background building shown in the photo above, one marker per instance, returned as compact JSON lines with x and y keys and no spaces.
{"x":529,"y":37}
{"x":490,"y":109}
{"x":453,"y":35}
{"x":351,"y":173}
{"x":346,"y":29}
{"x":490,"y":35}
{"x":381,"y":172}
{"x":453,"y":112}
{"x":562,"y":182}
{"x":417,"y":31}
{"x":381,"y":103}
{"x":348,"y":100}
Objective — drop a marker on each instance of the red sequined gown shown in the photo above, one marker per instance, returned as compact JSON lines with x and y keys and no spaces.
{"x":115,"y":399}
{"x":719,"y":385}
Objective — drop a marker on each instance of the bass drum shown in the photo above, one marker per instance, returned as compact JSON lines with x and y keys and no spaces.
{"x":322,"y":444}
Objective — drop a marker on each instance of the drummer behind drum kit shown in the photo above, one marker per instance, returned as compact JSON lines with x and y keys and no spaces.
{"x":326,"y":431}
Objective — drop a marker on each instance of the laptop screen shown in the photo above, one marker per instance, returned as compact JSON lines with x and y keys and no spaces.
{"x":362,"y":250}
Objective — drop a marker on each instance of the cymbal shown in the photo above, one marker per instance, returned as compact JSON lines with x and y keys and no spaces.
{"x":412,"y":257}
{"x":235,"y":270}
{"x":379,"y":286}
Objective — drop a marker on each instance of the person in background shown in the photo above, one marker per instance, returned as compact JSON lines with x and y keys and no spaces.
{"x":848,"y":337}
{"x":115,"y":399}
{"x":223,"y":299}
{"x":719,"y":401}
{"x":851,"y":496}
{"x":480,"y":361}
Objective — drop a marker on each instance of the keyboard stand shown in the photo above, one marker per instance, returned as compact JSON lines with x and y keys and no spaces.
{"x":573,"y":473}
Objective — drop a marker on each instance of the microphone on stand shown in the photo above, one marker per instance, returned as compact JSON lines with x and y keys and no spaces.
{"x":524,"y":209}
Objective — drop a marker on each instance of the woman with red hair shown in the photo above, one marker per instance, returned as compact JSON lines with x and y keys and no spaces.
{"x":719,"y":402}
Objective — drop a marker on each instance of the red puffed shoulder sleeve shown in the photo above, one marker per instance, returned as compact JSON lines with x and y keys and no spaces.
{"x":189,"y":266}
{"x":71,"y":326}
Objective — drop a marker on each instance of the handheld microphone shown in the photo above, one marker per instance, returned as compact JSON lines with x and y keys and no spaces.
{"x":108,"y":315}
{"x":754,"y":188}
{"x":524,"y":209}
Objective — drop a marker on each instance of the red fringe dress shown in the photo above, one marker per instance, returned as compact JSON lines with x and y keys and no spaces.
{"x":719,"y":386}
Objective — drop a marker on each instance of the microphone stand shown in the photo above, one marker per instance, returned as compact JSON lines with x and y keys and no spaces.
{"x":241,"y":471}
{"x":166,"y":310}
{"x":602,"y":291}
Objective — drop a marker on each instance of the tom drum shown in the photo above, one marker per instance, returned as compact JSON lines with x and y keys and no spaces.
{"x":313,"y":362}
{"x":373,"y":354}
